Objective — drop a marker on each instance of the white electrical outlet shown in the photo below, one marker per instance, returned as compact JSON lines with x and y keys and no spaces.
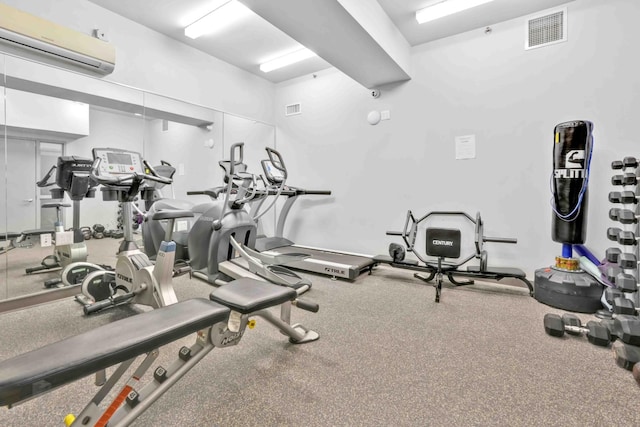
{"x":45,"y":240}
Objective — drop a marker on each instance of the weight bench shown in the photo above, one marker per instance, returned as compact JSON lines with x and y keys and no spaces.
{"x":443,"y":244}
{"x":493,"y":273}
{"x":219,"y":322}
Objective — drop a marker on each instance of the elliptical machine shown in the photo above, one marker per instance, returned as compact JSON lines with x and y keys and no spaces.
{"x":73,"y":178}
{"x":222,"y":239}
{"x":135,"y":278}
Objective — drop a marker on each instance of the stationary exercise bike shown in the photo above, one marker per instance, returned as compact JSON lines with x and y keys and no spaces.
{"x":135,"y":278}
{"x":72,"y":178}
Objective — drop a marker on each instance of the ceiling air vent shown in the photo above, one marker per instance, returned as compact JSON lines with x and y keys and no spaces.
{"x":292,"y":109}
{"x":546,"y":29}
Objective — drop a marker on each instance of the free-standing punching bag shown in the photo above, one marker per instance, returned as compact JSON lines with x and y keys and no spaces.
{"x":565,"y":285}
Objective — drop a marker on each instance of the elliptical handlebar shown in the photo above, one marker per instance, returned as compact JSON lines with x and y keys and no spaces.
{"x":155,"y":176}
{"x":277,"y":161}
{"x":43,"y":182}
{"x":239,"y":147}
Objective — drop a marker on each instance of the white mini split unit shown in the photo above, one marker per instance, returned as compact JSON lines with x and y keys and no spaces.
{"x":20,"y":29}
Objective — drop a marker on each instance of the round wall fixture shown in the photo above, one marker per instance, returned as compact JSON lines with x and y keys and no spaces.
{"x":373,"y":117}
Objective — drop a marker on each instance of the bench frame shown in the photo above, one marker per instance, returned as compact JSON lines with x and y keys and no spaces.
{"x":243,"y":300}
{"x":428,"y":269}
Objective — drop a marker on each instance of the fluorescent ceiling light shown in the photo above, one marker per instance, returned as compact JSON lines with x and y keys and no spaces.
{"x":285,"y":60}
{"x":224,"y":15}
{"x":442,"y":8}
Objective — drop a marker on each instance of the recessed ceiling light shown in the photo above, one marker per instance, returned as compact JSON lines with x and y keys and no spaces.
{"x":283,"y":61}
{"x":221,"y":17}
{"x":439,"y":9}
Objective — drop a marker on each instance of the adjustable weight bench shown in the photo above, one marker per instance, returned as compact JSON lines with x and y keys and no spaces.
{"x":219,"y":322}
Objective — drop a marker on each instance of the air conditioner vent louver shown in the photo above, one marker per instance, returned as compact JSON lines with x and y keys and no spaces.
{"x":293,"y":109}
{"x":21,"y":30}
{"x":546,"y":29}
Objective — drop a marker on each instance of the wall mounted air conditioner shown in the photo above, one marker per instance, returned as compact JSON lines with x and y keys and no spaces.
{"x":22,"y":30}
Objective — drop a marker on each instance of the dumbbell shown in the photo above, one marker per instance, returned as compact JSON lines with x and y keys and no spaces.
{"x":623,"y":281}
{"x":627,"y":356}
{"x":625,"y":216}
{"x":556,"y":326}
{"x":613,"y":213}
{"x":625,"y":328}
{"x":626,"y":238}
{"x":627,"y":260}
{"x":625,"y":197}
{"x":613,"y":232}
{"x":620,"y":305}
{"x":623,"y":306}
{"x":624,"y":179}
{"x":627,"y":162}
{"x":613,"y":254}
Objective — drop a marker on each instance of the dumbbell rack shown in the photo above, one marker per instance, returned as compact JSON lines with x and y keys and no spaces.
{"x":624,"y":274}
{"x":621,"y":324}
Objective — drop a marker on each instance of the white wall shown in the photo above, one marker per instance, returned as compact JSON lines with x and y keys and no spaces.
{"x":29,"y":111}
{"x":473,"y":83}
{"x":184,"y":147}
{"x":151,"y":61}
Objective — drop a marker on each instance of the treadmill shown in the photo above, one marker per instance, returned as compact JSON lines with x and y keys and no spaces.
{"x":335,"y":264}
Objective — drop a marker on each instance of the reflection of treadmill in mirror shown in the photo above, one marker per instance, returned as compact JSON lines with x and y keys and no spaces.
{"x":321,"y":261}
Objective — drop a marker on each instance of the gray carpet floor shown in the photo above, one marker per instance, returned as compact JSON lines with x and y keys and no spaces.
{"x":388,"y":355}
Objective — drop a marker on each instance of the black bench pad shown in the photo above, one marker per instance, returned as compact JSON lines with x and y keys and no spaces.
{"x":9,"y":235}
{"x":65,"y":361}
{"x":248,"y":295}
{"x":37,"y":232}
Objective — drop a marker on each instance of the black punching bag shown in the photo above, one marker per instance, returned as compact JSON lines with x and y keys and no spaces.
{"x":565,"y":285}
{"x":571,"y":159}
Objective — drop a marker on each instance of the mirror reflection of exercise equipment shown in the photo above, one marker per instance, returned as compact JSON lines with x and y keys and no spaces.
{"x":32,"y":147}
{"x":73,"y":179}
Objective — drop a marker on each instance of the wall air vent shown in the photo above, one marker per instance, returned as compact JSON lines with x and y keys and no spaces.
{"x":293,"y":109}
{"x":546,"y":29}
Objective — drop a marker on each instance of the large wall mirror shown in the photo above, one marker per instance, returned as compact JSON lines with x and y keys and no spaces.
{"x":47,"y":113}
{"x":3,"y":186}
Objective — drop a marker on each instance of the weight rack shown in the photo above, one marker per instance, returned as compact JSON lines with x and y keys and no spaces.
{"x":624,"y":273}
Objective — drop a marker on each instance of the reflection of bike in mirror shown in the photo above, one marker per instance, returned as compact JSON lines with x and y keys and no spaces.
{"x":73,"y":179}
{"x":135,"y":278}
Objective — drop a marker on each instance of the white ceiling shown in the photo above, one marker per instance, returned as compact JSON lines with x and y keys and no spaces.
{"x":253,"y":40}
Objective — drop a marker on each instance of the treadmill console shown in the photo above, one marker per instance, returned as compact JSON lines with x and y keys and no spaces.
{"x":117,"y":162}
{"x":271,"y":173}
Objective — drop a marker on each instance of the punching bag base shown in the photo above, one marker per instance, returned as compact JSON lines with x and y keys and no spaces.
{"x":568,"y":290}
